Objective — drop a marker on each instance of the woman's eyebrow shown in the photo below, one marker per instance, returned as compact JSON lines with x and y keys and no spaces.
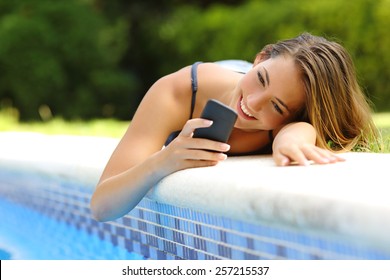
{"x":283,"y":104}
{"x":268,"y":82}
{"x":266,"y":75}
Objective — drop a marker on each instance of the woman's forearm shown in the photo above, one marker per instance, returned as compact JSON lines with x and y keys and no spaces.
{"x":295,"y":133}
{"x":117,"y":195}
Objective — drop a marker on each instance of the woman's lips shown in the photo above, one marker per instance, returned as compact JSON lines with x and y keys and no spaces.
{"x":243,"y":111}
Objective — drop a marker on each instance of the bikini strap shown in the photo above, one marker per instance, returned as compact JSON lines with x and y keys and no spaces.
{"x":194,"y":85}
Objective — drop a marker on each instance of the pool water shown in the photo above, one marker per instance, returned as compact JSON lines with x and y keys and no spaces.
{"x":36,"y":221}
{"x":4,"y":255}
{"x":27,"y":234}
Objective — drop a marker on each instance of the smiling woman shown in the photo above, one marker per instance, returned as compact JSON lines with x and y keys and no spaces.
{"x":302,"y":92}
{"x":272,"y":94}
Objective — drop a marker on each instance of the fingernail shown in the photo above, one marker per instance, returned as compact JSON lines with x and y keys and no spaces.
{"x":222,"y":156}
{"x":208,"y":122}
{"x":225,"y":147}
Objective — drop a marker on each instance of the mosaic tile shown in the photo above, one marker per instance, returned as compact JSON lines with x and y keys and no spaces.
{"x":160,"y":231}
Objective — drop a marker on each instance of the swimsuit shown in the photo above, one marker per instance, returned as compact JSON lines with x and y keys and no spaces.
{"x":235,"y":65}
{"x":194,"y":88}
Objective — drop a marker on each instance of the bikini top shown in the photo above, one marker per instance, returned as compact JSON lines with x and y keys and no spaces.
{"x":235,"y":65}
{"x":194,"y":89}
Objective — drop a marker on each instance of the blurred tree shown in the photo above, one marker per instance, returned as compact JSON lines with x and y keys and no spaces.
{"x":362,"y":26}
{"x":146,"y":51}
{"x":223,"y":32}
{"x":97,"y":58}
{"x":51,"y":54}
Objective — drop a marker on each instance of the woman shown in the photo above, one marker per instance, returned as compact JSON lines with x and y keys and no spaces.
{"x":300,"y":95}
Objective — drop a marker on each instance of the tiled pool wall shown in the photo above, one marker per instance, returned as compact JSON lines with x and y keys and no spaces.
{"x":159,"y":231}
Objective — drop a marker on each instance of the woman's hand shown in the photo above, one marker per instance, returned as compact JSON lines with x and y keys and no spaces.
{"x":295,"y":144}
{"x":303,"y":154}
{"x":188,"y":152}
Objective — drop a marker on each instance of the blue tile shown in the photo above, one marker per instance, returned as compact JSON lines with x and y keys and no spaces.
{"x":159,"y":231}
{"x":152,"y":240}
{"x":281,"y":251}
{"x":127,"y":221}
{"x":120,"y":231}
{"x":198,"y":229}
{"x":200,"y":244}
{"x":106,"y":227}
{"x":169,"y":247}
{"x":222,"y":236}
{"x":249,"y":256}
{"x":250,"y":243}
{"x":114,"y":239}
{"x":161,"y":255}
{"x":190,"y":254}
{"x":129,"y":245}
{"x":135,"y":235}
{"x":168,"y":233}
{"x":142,"y":226}
{"x":145,"y":251}
{"x":224,"y":251}
{"x":178,"y":237}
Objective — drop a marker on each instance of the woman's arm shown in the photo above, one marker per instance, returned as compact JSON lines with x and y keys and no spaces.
{"x":139,"y":162}
{"x":296,"y":143}
{"x":118,"y":194}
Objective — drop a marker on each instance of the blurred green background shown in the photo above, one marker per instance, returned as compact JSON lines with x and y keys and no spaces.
{"x":88,"y":59}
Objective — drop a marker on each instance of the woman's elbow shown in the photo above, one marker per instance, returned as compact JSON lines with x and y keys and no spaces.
{"x":100,"y":209}
{"x":103,"y":210}
{"x":97,"y":210}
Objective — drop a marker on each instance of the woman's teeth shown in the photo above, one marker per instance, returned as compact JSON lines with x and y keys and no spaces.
{"x":245,"y":110}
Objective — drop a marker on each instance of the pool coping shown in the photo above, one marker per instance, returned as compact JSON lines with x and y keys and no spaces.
{"x":346,"y":200}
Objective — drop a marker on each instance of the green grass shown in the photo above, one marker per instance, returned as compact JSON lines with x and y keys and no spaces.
{"x":113,"y":128}
{"x":101,"y":127}
{"x":382,"y":120}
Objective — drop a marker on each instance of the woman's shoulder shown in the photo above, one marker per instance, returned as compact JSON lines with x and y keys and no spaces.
{"x":227,"y":66}
{"x":213,"y":79}
{"x":236,"y":65}
{"x":206,"y":75}
{"x":208,"y":70}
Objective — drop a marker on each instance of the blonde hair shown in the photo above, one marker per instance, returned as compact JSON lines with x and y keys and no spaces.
{"x":335,"y":104}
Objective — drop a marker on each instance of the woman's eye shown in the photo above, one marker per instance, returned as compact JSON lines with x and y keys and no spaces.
{"x":261,"y":79}
{"x":277,"y":108}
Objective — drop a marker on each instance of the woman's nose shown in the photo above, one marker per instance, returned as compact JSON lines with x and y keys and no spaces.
{"x":256,"y":101}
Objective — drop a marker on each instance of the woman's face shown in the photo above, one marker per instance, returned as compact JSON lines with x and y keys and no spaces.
{"x":269,"y":95}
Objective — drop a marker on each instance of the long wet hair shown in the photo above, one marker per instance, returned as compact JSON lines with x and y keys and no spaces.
{"x":335,"y":104}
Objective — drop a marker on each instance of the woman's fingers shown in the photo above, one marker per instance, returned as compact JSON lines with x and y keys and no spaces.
{"x":281,"y":160}
{"x":291,"y":154}
{"x":304,"y":155}
{"x":321,"y":156}
{"x":191,"y":125}
{"x":205,"y":155}
{"x":198,"y":149}
{"x":188,"y":152}
{"x":199,"y":143}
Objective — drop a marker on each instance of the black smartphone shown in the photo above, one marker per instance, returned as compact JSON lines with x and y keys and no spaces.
{"x":223,"y":118}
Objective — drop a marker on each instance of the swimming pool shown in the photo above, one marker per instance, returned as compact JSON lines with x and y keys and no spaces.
{"x":44,"y":212}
